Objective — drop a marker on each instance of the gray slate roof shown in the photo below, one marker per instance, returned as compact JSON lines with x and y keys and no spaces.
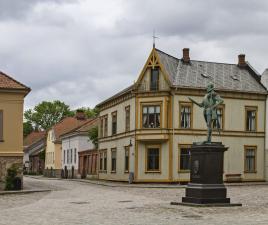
{"x":198,"y":74}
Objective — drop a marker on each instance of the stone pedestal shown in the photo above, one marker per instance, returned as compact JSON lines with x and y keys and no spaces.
{"x":206,"y":182}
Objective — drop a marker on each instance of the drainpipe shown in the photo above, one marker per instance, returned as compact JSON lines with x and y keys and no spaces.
{"x":266,"y":141}
{"x":173,"y":129}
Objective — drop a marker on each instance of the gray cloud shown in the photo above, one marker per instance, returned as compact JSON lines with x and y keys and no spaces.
{"x":82,"y":52}
{"x":16,"y":9}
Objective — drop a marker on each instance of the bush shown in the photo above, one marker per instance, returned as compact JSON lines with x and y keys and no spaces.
{"x":11,"y":178}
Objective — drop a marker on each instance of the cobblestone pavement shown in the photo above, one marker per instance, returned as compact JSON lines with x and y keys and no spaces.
{"x":73,"y":202}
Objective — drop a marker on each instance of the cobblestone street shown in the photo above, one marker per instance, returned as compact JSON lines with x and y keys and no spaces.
{"x":73,"y":202}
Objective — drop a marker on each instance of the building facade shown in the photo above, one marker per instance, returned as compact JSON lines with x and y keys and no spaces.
{"x":12,"y":95}
{"x":146,"y":130}
{"x":53,"y":161}
{"x":34,"y":152}
{"x":264,"y":80}
{"x":74,"y":143}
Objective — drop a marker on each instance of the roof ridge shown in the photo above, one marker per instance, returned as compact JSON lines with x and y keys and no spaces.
{"x":123,"y":91}
{"x":61,"y":121}
{"x":167,"y":54}
{"x":79,"y":126}
{"x":9,"y":77}
{"x":195,"y":60}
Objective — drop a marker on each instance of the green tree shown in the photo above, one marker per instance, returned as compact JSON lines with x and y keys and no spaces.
{"x":46,"y":114}
{"x":90,"y":113}
{"x":93,"y":135}
{"x":27,"y":128}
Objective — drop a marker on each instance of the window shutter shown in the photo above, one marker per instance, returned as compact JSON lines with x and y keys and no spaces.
{"x":1,"y":125}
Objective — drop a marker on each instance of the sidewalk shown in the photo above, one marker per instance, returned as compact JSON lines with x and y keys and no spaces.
{"x":141,"y":185}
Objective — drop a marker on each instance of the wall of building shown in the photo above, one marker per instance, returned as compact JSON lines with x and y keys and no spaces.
{"x":80,"y":143}
{"x":120,"y":109}
{"x":50,"y":151}
{"x":12,"y":106}
{"x":119,"y":144}
{"x":234,"y":157}
{"x":234,"y":113}
{"x":11,"y":148}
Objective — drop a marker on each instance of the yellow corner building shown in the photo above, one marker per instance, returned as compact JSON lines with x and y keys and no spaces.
{"x":146,"y":130}
{"x":12,"y":95}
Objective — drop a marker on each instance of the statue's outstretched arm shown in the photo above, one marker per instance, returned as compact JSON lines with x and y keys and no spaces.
{"x":219,"y":101}
{"x":199,"y":104}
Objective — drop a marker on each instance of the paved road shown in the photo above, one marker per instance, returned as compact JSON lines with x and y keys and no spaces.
{"x":73,"y":202}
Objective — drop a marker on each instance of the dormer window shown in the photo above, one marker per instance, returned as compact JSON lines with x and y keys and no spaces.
{"x":154,"y":84}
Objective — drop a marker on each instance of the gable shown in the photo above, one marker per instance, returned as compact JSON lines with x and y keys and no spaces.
{"x":153,"y":62}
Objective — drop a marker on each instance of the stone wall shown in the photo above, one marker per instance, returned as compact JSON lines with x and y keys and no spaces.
{"x":8,"y":161}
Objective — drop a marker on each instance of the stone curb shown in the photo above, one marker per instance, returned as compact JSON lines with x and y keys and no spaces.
{"x":114,"y":184}
{"x":42,"y":177}
{"x":107,"y":184}
{"x":23,"y":192}
{"x":126,"y":185}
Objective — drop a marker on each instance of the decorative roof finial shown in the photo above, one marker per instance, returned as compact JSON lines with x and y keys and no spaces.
{"x":154,"y":37}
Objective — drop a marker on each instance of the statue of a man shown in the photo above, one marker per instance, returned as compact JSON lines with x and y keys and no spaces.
{"x":210,"y":103}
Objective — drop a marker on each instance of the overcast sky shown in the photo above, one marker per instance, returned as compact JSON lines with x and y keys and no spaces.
{"x":83,"y":51}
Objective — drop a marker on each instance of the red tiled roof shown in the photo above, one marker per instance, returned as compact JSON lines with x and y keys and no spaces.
{"x":7,"y":82}
{"x":33,"y":137}
{"x":84,"y":127}
{"x":88,"y":125}
{"x":66,"y":125}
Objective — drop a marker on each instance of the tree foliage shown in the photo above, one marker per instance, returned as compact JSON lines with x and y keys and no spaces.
{"x":93,"y":135}
{"x":90,"y":113}
{"x":27,"y":128}
{"x":46,"y":114}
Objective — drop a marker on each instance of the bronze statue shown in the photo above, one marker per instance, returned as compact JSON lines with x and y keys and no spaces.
{"x":210,"y":103}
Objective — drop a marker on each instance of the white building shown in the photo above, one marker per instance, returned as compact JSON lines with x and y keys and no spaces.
{"x":73,"y":142}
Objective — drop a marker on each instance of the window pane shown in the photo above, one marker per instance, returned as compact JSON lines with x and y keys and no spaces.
{"x":151,"y":109}
{"x":151,"y":119}
{"x":145,"y":109}
{"x":185,"y":117}
{"x":113,"y":160}
{"x":217,"y":124}
{"x":154,"y":79}
{"x":251,"y":120}
{"x":185,"y":159}
{"x":127,"y":159}
{"x":153,"y":159}
{"x":250,"y":160}
{"x":105,"y":161}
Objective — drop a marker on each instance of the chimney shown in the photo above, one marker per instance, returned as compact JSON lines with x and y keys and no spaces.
{"x":80,"y":115}
{"x":186,"y":55}
{"x":242,"y":60}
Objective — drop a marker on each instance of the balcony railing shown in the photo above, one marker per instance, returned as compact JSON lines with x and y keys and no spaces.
{"x":156,"y":86}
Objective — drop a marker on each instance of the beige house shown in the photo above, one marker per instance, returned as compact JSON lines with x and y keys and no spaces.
{"x":53,"y":159}
{"x":146,"y":130}
{"x":12,"y":95}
